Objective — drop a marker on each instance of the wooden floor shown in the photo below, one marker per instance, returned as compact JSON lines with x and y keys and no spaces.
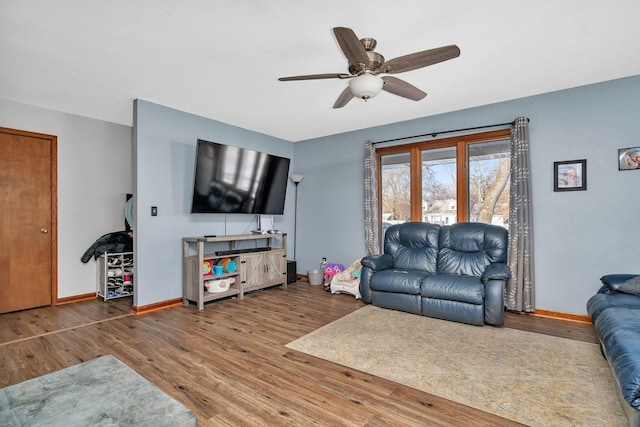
{"x":229,"y":364}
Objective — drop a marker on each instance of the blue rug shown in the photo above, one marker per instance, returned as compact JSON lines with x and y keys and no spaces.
{"x":100,"y":392}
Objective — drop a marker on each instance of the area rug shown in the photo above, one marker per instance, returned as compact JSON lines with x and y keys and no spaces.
{"x":100,"y":392}
{"x":534,"y":379}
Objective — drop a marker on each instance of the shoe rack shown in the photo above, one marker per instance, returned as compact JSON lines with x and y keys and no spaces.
{"x":114,"y":275}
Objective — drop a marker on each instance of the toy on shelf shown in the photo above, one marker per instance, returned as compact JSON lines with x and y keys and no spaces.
{"x":231,"y":267}
{"x":207,"y":267}
{"x":218,"y":286}
{"x":223,"y":262}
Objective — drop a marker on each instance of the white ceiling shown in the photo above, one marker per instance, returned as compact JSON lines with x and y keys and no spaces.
{"x":221,"y":59}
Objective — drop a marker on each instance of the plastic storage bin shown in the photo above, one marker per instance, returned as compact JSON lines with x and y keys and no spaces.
{"x":315,"y":277}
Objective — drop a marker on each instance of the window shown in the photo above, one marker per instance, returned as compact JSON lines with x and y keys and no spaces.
{"x":438,"y":172}
{"x":396,"y":189}
{"x":489,"y":166}
{"x":458,"y":179}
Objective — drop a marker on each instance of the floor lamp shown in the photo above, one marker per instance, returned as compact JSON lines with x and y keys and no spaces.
{"x":296,"y":180}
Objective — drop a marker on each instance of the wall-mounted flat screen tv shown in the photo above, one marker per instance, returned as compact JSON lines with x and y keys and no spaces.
{"x":237,"y":180}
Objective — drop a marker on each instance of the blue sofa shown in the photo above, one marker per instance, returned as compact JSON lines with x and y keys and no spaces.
{"x":615,"y":313}
{"x":455,"y":272}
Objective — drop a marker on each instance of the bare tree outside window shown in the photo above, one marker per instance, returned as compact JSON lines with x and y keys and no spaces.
{"x":439,"y":177}
{"x":395,"y":189}
{"x":481,"y":161}
{"x":489,"y":168}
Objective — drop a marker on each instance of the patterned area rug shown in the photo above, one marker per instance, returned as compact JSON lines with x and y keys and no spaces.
{"x":526,"y":377}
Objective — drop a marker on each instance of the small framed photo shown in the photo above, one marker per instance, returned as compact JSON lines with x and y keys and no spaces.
{"x":570,"y":175}
{"x":628,"y":159}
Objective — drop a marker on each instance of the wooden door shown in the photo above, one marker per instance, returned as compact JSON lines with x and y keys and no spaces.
{"x":28,"y":256}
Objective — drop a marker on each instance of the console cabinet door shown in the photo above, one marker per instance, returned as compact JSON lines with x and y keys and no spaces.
{"x":253,"y":271}
{"x":263,"y":269}
{"x":275,"y":267}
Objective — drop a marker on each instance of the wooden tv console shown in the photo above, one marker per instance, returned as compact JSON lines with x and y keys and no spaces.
{"x":259,"y":267}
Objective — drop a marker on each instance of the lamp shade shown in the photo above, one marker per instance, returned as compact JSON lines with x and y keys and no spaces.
{"x":366,"y":86}
{"x":296,"y":178}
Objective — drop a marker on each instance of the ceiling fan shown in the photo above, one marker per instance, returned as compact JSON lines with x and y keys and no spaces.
{"x":365,"y":67}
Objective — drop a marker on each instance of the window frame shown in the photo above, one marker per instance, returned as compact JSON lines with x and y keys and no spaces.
{"x":460,"y":142}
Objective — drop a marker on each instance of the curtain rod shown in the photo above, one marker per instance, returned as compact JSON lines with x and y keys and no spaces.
{"x":434,"y":134}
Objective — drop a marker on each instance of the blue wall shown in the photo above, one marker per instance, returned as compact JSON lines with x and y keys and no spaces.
{"x":164,"y":158}
{"x":579,"y":236}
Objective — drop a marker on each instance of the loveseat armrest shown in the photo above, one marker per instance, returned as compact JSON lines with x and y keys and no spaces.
{"x":496,"y":271}
{"x":614,"y":281}
{"x":371,"y":264}
{"x":494,"y":302}
{"x":378,"y":262}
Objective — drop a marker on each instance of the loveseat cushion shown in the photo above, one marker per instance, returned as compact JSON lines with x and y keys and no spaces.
{"x":602,"y":301}
{"x":625,"y":363}
{"x":614,"y":320}
{"x":413,"y":245}
{"x":396,"y":301}
{"x":456,"y":311}
{"x":453,"y":287}
{"x":398,"y":280}
{"x":468,"y":248}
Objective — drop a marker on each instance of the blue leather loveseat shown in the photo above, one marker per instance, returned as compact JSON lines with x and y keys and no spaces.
{"x":615,"y":313}
{"x":455,"y":272}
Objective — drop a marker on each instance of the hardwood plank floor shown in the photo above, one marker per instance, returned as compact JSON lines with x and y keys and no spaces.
{"x":229,"y":364}
{"x":26,"y":324}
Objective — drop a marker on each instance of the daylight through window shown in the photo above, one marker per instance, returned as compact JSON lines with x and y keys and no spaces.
{"x":458,"y":179}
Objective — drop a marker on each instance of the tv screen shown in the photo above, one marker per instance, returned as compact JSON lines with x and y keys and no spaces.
{"x":236,"y":180}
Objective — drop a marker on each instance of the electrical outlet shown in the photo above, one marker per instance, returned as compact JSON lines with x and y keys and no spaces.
{"x":154,"y":211}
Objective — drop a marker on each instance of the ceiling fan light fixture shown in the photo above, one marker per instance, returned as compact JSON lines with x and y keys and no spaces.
{"x":366,"y":86}
{"x":365,"y":66}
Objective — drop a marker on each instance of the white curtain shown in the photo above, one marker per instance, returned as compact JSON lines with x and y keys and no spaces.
{"x":371,"y":238}
{"x":520,"y":291}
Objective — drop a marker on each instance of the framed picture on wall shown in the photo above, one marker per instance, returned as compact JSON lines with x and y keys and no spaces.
{"x":570,"y":175}
{"x":628,"y":159}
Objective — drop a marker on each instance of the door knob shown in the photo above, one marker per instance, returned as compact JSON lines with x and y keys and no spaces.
{"x":44,"y":230}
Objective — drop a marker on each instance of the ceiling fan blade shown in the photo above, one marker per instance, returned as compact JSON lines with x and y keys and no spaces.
{"x":344,"y":98}
{"x":351,"y":46}
{"x":315,"y":76}
{"x":421,"y":59}
{"x":402,"y":88}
